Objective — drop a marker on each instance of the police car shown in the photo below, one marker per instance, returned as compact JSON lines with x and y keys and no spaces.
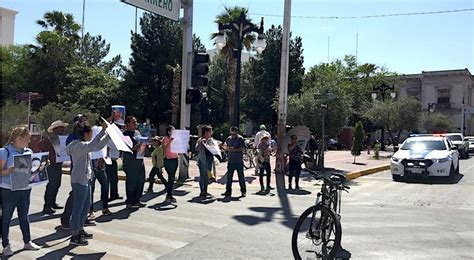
{"x":423,"y":156}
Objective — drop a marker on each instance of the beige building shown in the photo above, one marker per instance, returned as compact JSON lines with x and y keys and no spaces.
{"x":7,"y":26}
{"x":448,"y":90}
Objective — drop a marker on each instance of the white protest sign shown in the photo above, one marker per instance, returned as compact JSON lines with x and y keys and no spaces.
{"x":29,"y":170}
{"x":180,"y":142}
{"x":213,"y":147}
{"x":102,"y":153}
{"x":117,"y":137}
{"x":60,"y":149}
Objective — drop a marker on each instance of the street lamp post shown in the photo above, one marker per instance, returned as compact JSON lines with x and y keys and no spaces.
{"x":383,"y":89}
{"x":324,"y":97}
{"x":240,"y":28}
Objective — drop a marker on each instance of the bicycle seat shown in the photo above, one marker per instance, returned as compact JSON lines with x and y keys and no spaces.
{"x":338,"y":179}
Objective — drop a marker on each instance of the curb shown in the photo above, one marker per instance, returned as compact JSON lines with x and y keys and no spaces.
{"x":357,"y":174}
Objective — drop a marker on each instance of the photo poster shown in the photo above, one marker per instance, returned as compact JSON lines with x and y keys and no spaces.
{"x":180,"y":142}
{"x":118,"y":112}
{"x":121,"y":142}
{"x":141,"y":150}
{"x":102,"y":153}
{"x":29,"y":170}
{"x":213,"y":147}
{"x":59,"y":146}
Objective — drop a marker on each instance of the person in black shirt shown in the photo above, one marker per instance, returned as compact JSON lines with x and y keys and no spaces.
{"x":134,"y":168}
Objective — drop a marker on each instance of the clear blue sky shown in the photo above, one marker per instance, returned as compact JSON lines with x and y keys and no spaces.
{"x":404,"y":44}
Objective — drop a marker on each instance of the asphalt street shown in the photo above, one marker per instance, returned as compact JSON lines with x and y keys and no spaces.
{"x":381,"y":219}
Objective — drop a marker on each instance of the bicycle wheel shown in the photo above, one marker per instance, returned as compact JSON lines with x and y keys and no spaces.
{"x":317,"y":234}
{"x":247,"y":161}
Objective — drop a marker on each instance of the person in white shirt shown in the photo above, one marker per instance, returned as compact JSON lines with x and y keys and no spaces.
{"x":263,"y":131}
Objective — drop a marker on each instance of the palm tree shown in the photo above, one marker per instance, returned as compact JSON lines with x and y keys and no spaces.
{"x":231,"y":14}
{"x":60,"y":23}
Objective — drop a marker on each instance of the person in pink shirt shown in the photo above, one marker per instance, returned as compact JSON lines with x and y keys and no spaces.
{"x":170,"y":163}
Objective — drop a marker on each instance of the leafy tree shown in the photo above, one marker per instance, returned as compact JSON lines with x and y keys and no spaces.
{"x":57,"y":111}
{"x":12,"y":114}
{"x":217,"y":90}
{"x":230,"y":14}
{"x":436,"y":123}
{"x":357,"y":144}
{"x":94,"y":50}
{"x":15,"y":70}
{"x":261,"y":77}
{"x":395,"y":116}
{"x":56,"y":50}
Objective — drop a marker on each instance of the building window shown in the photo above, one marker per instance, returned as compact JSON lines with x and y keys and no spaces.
{"x":443,"y":96}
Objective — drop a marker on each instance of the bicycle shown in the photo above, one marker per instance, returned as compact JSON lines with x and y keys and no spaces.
{"x":318,"y":231}
{"x":249,"y":156}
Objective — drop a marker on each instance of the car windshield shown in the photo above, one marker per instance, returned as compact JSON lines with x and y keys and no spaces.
{"x":455,"y":137}
{"x":423,"y":145}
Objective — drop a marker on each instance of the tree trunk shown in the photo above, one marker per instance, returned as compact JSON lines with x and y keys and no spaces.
{"x":354,"y":159}
{"x":231,"y":85}
{"x":175,"y":96}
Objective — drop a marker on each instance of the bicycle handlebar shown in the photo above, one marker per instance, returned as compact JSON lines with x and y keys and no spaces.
{"x":340,"y":185}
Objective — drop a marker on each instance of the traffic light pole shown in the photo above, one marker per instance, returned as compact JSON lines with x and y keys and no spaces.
{"x":185,"y":114}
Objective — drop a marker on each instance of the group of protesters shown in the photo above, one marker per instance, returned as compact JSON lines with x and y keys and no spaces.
{"x":79,"y":208}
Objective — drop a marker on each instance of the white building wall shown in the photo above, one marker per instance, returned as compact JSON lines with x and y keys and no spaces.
{"x":7,"y":26}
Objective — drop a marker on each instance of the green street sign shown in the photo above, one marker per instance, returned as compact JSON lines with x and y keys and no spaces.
{"x":165,"y":8}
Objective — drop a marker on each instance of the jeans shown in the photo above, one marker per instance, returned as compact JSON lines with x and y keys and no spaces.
{"x":54,"y":182}
{"x":135,"y":181}
{"x":101,"y":176}
{"x":20,"y":200}
{"x":265,"y":168}
{"x":231,"y":167}
{"x":151,"y":178}
{"x":171,"y":165}
{"x":82,"y":202}
{"x":204,"y":167}
{"x":112,"y":177}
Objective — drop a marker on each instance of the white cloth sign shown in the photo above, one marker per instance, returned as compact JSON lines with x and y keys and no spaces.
{"x":120,"y":141}
{"x":180,"y":142}
{"x":60,"y":149}
{"x":102,"y":153}
{"x":213,"y":147}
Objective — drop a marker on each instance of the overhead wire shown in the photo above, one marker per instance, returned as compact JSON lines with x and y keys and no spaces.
{"x":370,"y":16}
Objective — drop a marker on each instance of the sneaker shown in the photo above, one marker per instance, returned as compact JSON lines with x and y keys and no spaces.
{"x":65,"y":226}
{"x":226,"y":194}
{"x":202,"y":194}
{"x":78,"y":240}
{"x":243,"y":195}
{"x":85,"y":235}
{"x":56,"y":206}
{"x":270,"y":187}
{"x":48,"y":211}
{"x":106,"y":212}
{"x":31,"y":246}
{"x":128,"y":207}
{"x":7,"y":251}
{"x":89,"y":222}
{"x":91,"y":215}
{"x":168,"y":200}
{"x":173,"y":200}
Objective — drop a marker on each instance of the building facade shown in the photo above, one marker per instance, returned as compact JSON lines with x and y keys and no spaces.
{"x":7,"y":26}
{"x":446,"y":91}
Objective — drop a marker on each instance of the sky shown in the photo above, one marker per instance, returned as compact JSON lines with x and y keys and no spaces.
{"x":403,"y":44}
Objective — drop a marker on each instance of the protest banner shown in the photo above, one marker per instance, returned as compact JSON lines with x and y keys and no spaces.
{"x":213,"y":147}
{"x":59,"y":146}
{"x":29,"y":170}
{"x":141,"y":151}
{"x":123,"y":143}
{"x":102,"y":153}
{"x":180,"y":142}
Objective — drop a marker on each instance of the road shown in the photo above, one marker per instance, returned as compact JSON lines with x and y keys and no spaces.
{"x":381,"y":219}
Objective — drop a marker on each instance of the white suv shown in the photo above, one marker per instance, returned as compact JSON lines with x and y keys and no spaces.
{"x":424,"y":156}
{"x":461,"y":143}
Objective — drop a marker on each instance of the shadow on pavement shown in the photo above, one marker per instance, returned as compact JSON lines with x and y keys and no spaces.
{"x":163,"y":206}
{"x":119,"y":215}
{"x":36,"y":217}
{"x":59,"y":234}
{"x":203,"y":200}
{"x":58,"y":254}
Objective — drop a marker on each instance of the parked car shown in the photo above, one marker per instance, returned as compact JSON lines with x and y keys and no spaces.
{"x":424,"y":156}
{"x":471,"y":143}
{"x":461,"y":143}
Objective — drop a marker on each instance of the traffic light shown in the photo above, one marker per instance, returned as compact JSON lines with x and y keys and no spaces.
{"x":200,"y":70}
{"x":193,"y":96}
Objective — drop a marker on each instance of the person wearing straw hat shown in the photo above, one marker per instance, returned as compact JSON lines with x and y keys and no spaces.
{"x":54,"y":169}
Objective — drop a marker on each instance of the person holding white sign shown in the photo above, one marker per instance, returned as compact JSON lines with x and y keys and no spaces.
{"x":133,"y":167}
{"x":205,"y":159}
{"x":19,"y":199}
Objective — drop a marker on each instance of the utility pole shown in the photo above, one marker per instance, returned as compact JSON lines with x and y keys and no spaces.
{"x":185,"y":114}
{"x":283,"y":93}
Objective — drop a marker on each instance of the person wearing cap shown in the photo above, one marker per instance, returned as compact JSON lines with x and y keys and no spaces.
{"x":54,"y":169}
